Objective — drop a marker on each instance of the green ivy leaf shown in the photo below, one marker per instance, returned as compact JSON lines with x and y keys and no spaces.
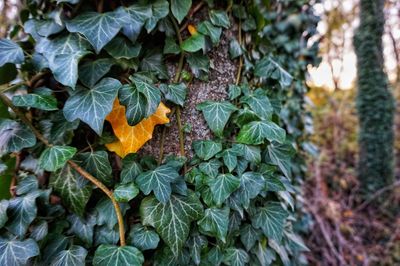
{"x":196,"y":244}
{"x":150,"y":92}
{"x":106,"y":212}
{"x":63,"y":54}
{"x":143,"y":238}
{"x":245,"y":116}
{"x":14,"y":252}
{"x":65,"y":67}
{"x":93,"y":105}
{"x":273,"y":183}
{"x":271,"y":219}
{"x":3,"y":212}
{"x":180,"y":8}
{"x":249,"y":236}
{"x":215,"y":223}
{"x":172,"y":219}
{"x":103,"y":235}
{"x":280,"y":155}
{"x":55,"y":157}
{"x":171,"y":47}
{"x":99,"y":29}
{"x":206,"y":149}
{"x":10,"y":52}
{"x":194,"y":43}
{"x":91,"y":72}
{"x":36,"y":100}
{"x":219,"y":18}
{"x":175,"y":93}
{"x":199,"y":64}
{"x":83,"y":228}
{"x":216,"y":114}
{"x":234,"y":91}
{"x":160,"y":9}
{"x":259,"y":103}
{"x":27,"y":184}
{"x":236,"y":257}
{"x":125,"y":192}
{"x":55,"y":243}
{"x":40,"y":231}
{"x":257,"y":131}
{"x":136,"y":104}
{"x":230,"y":158}
{"x":118,"y":256}
{"x":73,"y":256}
{"x":206,"y":28}
{"x":130,"y":169}
{"x":97,"y":164}
{"x":159,"y":181}
{"x":235,"y":49}
{"x":15,"y":136}
{"x":250,"y":153}
{"x":137,"y":14}
{"x":120,"y":48}
{"x":210,"y":168}
{"x":22,"y":211}
{"x":251,"y":184}
{"x":268,"y":68}
{"x":72,"y":188}
{"x":222,"y":186}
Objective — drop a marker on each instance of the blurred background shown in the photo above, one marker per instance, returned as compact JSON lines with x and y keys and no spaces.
{"x":339,"y":227}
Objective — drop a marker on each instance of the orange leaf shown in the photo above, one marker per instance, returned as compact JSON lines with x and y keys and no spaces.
{"x":192,"y":29}
{"x":132,"y":138}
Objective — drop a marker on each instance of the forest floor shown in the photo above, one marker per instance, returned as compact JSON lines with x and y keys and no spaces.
{"x":347,"y":230}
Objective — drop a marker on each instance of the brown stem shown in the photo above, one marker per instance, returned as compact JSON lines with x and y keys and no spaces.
{"x":109,"y":193}
{"x":76,"y":167}
{"x":239,"y":73}
{"x":162,"y":141}
{"x":176,"y":80}
{"x":191,"y":13}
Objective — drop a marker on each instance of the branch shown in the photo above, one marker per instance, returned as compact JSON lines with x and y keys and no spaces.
{"x":76,"y":167}
{"x":176,"y":80}
{"x":377,"y":194}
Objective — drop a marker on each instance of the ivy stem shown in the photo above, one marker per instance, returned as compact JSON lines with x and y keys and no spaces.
{"x":76,"y":167}
{"x":176,"y":80}
{"x":109,"y":193}
{"x":239,"y":73}
{"x":5,"y":88}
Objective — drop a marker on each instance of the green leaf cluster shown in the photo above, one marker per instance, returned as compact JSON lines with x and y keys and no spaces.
{"x":230,"y":203}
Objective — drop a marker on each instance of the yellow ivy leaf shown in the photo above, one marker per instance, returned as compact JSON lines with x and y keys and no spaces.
{"x":132,"y":138}
{"x":192,"y":29}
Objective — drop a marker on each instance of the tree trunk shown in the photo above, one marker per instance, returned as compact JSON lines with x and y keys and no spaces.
{"x":375,"y":102}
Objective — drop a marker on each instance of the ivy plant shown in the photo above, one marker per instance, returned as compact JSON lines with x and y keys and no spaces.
{"x":87,"y":82}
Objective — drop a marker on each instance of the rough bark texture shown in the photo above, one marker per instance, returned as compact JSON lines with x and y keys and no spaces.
{"x":222,"y":73}
{"x":375,"y":103}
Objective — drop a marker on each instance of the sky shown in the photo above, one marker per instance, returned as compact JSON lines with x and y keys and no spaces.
{"x":346,"y":68}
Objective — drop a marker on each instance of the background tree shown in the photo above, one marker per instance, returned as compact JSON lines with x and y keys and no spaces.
{"x":374,"y":101}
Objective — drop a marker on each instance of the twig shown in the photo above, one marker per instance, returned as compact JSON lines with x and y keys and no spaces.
{"x":162,"y":141}
{"x":176,"y":80}
{"x":239,"y":73}
{"x":191,"y":13}
{"x":76,"y":167}
{"x":377,"y":194}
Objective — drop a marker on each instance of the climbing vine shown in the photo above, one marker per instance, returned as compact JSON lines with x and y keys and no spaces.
{"x":84,"y":85}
